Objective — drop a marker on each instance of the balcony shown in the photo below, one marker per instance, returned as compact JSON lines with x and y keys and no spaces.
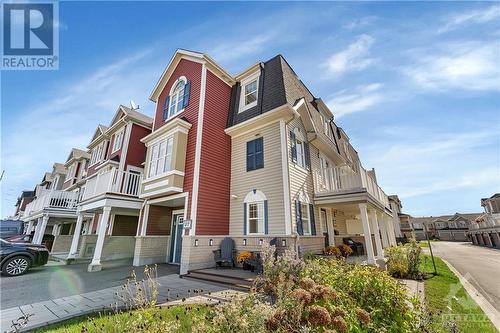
{"x":51,"y":199}
{"x":112,"y":182}
{"x":342,"y":180}
{"x":486,"y":221}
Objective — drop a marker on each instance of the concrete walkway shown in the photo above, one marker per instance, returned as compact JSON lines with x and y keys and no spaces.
{"x":55,"y":310}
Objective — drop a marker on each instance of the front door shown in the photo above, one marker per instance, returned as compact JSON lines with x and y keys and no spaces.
{"x":324,"y":227}
{"x":176,"y":240}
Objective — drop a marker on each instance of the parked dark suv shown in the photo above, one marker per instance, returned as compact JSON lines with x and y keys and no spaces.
{"x":17,"y":258}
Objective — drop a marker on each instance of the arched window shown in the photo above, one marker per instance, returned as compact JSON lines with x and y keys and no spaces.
{"x":255,"y":213}
{"x":178,"y":99}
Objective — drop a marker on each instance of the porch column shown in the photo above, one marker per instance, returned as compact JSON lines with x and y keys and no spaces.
{"x":383,"y":231}
{"x":331,"y":228}
{"x":41,"y":230}
{"x":368,"y":235}
{"x":390,"y":229}
{"x":376,"y":233}
{"x":76,"y":237}
{"x":29,"y":228}
{"x":95,"y":265}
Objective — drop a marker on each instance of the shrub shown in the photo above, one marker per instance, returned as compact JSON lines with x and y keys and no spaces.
{"x":244,"y":256}
{"x":404,"y":261}
{"x":332,"y":251}
{"x":413,"y":254}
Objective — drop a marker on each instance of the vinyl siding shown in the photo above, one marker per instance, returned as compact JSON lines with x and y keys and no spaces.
{"x":159,"y":220}
{"x":136,"y":153}
{"x":269,"y":179}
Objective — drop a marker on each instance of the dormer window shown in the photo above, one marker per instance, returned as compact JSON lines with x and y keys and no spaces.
{"x":249,"y":92}
{"x":178,"y":99}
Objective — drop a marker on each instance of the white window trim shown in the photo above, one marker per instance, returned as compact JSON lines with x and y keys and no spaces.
{"x":119,"y":134}
{"x":99,"y":152}
{"x":256,"y":197}
{"x":246,"y":81}
{"x":309,"y":233}
{"x":184,"y":79}
{"x":163,"y":172}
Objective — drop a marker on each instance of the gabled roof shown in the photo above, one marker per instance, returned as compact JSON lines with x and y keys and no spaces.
{"x":100,"y":130}
{"x":192,"y":56}
{"x":124,"y":111}
{"x":77,"y":154}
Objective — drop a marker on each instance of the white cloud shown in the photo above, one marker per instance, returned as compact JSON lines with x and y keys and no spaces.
{"x":355,"y":57}
{"x":240,"y":47}
{"x":364,"y":97}
{"x":471,"y":17}
{"x":359,"y":23}
{"x":421,"y":163}
{"x":468,"y":66}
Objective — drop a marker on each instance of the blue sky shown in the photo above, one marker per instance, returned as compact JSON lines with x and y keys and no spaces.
{"x":415,"y":85}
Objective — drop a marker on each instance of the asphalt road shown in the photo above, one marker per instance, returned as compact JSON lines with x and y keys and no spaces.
{"x":49,"y":282}
{"x":479,"y":265}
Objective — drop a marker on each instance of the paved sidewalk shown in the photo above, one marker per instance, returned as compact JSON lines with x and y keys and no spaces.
{"x":48,"y":312}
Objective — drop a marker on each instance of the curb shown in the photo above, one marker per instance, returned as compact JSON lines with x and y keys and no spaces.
{"x":483,"y":303}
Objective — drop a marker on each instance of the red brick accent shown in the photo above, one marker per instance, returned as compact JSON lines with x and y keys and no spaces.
{"x":124,"y":225}
{"x":159,"y":220}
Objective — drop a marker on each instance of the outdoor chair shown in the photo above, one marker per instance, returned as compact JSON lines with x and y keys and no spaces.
{"x":225,"y":255}
{"x":356,"y":247}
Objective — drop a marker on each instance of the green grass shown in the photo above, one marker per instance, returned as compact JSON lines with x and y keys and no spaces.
{"x":423,"y":244}
{"x":117,"y":322}
{"x":446,"y":298}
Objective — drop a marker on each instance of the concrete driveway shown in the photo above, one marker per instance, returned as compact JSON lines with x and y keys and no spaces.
{"x":49,"y":282}
{"x":479,"y":265}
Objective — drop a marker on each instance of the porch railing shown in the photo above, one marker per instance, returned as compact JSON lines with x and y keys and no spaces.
{"x":486,"y":221}
{"x":113,"y":181}
{"x":342,"y":179}
{"x":52,"y":199}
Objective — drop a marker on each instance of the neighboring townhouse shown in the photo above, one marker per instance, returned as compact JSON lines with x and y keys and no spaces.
{"x":63,"y":230}
{"x":52,"y":205}
{"x":21,"y":203}
{"x":111,"y":190}
{"x":485,"y":229}
{"x":445,"y":227}
{"x":254,"y":157}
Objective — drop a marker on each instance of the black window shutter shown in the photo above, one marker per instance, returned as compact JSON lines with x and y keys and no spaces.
{"x":307,"y":155}
{"x":311,"y":218}
{"x":259,"y":153}
{"x":165,"y":108}
{"x":293,"y":144}
{"x":187,"y":89}
{"x":244,"y":219}
{"x":251,"y":155}
{"x":298,"y":217}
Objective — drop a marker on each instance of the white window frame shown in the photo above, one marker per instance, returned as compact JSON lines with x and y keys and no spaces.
{"x":162,"y":163}
{"x":259,"y":218}
{"x":307,"y":219}
{"x":244,"y":83}
{"x":255,"y":197}
{"x":177,"y":95}
{"x":301,"y":157}
{"x":118,"y":137}
{"x":97,"y":154}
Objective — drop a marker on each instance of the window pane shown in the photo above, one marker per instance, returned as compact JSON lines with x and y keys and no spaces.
{"x":252,"y":226}
{"x":300,"y":153}
{"x":168,"y":156}
{"x":251,"y":87}
{"x":250,"y":98}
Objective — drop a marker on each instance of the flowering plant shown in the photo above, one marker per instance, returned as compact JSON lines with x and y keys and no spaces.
{"x":346,"y":250}
{"x":332,"y":251}
{"x":244,"y":256}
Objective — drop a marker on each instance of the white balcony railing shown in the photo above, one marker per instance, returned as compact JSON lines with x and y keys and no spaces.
{"x":343,"y":179}
{"x":52,"y":199}
{"x":113,"y":181}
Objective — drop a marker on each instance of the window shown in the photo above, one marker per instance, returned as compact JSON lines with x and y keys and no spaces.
{"x":117,"y":143}
{"x":249,"y":92}
{"x":306,"y":225}
{"x":300,"y":149}
{"x":97,"y":154}
{"x":256,"y":218}
{"x":71,"y":171}
{"x":255,"y":154}
{"x":161,"y":157}
{"x":178,"y":99}
{"x":255,"y":213}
